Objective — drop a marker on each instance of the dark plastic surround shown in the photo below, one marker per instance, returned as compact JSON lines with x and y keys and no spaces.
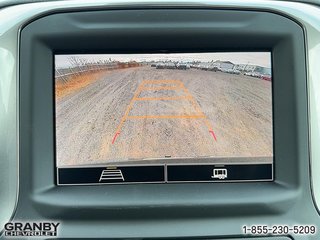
{"x":167,"y":210}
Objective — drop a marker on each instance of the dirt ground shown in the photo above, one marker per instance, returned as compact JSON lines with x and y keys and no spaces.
{"x":76,"y":83}
{"x":161,"y":115}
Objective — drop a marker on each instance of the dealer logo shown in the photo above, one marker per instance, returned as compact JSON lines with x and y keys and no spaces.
{"x":34,"y":229}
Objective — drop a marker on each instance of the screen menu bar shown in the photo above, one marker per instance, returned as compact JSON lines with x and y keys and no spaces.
{"x":167,"y":173}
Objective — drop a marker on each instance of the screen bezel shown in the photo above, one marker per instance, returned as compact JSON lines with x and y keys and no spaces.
{"x":44,"y":37}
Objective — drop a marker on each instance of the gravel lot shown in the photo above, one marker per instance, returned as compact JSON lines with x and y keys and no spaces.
{"x":237,"y":107}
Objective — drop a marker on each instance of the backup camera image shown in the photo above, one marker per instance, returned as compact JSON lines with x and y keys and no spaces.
{"x":179,"y":108}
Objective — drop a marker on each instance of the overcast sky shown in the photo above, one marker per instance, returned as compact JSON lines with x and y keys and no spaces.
{"x":256,"y":58}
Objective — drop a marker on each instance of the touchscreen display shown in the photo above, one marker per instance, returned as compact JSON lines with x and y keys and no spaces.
{"x":161,"y":118}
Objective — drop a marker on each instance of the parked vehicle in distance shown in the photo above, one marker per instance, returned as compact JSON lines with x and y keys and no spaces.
{"x":160,"y":66}
{"x":237,"y":72}
{"x":229,"y":71}
{"x":182,"y":66}
{"x":266,"y":77}
{"x":256,"y":74}
{"x":214,"y":69}
{"x":203,"y":67}
{"x":170,"y":65}
{"x":253,"y":74}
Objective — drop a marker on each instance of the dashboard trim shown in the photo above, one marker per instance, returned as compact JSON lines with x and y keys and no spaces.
{"x":13,"y":19}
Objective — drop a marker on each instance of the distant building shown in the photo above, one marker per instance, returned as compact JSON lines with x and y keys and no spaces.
{"x":240,"y":67}
{"x":245,"y":67}
{"x":252,"y":68}
{"x":225,"y":65}
{"x":263,"y":70}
